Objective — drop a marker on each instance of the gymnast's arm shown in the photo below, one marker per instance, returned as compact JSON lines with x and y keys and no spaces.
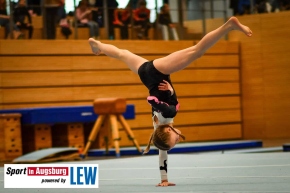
{"x":166,"y":86}
{"x":163,"y":169}
{"x":162,"y":160}
{"x":170,"y":105}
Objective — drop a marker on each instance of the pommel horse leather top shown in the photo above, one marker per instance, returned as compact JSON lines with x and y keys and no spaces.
{"x":110,"y":106}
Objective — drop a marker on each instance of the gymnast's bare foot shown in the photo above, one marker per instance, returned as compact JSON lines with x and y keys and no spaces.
{"x":94,"y":45}
{"x":236,"y":25}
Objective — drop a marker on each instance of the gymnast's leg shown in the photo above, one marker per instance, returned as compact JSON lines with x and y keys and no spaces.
{"x":132,"y":60}
{"x":180,"y":59}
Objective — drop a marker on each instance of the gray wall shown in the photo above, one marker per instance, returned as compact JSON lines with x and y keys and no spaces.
{"x":194,"y":6}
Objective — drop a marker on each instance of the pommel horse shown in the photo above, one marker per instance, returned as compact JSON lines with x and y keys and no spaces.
{"x":113,"y":109}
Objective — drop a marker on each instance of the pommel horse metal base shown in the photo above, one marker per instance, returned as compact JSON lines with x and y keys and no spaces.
{"x":111,"y":109}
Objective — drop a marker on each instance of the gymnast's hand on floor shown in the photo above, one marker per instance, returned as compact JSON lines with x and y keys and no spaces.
{"x":165,"y":183}
{"x":165,"y":86}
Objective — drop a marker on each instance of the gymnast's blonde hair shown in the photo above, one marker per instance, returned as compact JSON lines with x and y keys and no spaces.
{"x":160,"y":138}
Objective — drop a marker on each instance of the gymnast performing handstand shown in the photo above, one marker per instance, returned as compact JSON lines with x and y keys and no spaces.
{"x":155,"y":75}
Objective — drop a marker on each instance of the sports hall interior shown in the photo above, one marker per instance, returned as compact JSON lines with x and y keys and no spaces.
{"x":238,"y":90}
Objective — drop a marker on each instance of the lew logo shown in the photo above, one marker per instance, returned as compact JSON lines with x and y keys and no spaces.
{"x":83,"y":175}
{"x":51,"y":176}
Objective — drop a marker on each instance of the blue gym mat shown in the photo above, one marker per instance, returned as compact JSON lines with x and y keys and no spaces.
{"x":184,"y":148}
{"x":68,"y":114}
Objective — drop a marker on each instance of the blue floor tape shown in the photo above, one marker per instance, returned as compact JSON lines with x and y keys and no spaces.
{"x":183,"y":148}
{"x":286,"y":147}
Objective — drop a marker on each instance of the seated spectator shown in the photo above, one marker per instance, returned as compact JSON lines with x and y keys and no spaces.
{"x":20,"y":12}
{"x":63,"y":21}
{"x":84,"y":17}
{"x":165,"y":23}
{"x":142,"y":18}
{"x":5,"y":22}
{"x":122,"y":19}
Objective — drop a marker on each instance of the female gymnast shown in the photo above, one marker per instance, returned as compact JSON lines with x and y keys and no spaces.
{"x":156,"y":77}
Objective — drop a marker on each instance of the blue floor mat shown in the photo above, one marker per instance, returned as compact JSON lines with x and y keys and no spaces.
{"x":184,"y":148}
